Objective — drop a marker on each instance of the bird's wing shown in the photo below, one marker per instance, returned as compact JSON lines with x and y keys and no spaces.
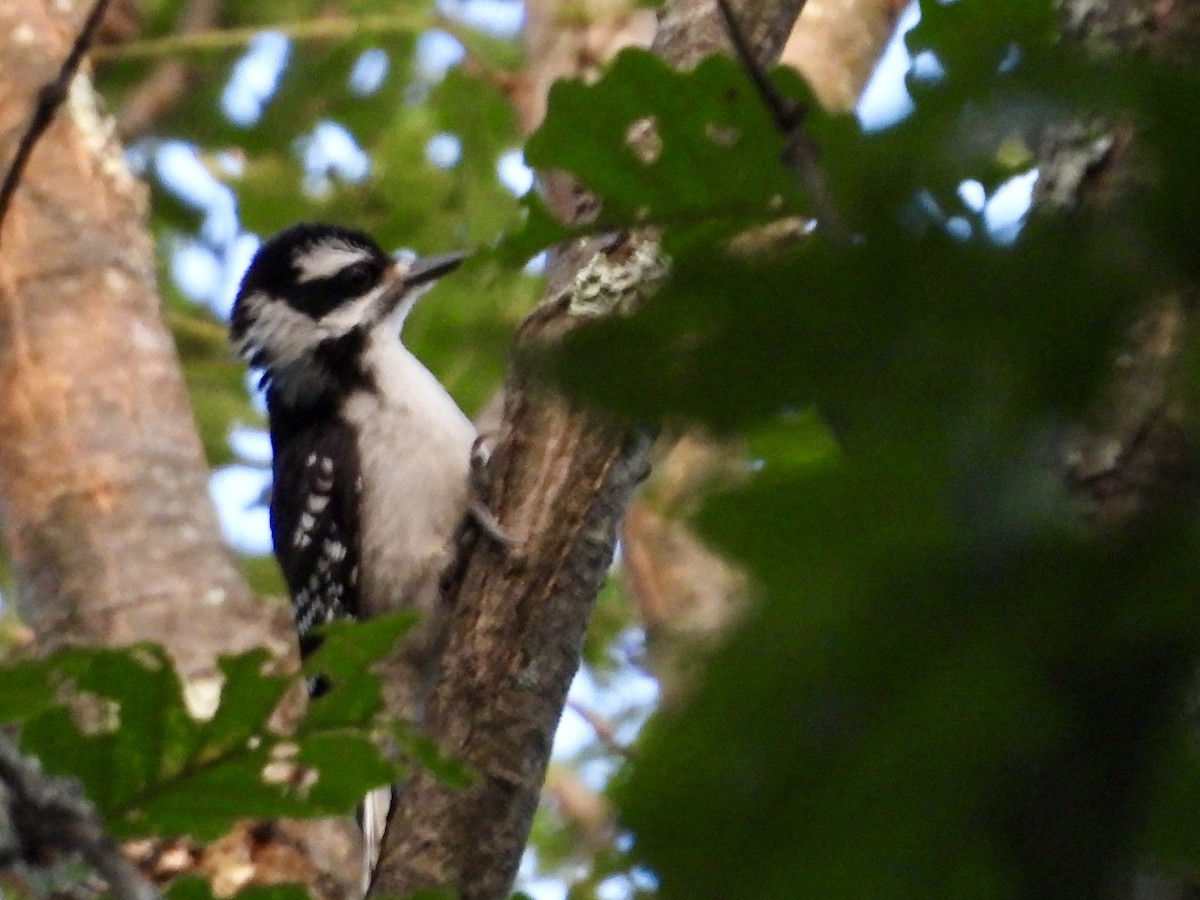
{"x":314,"y":509}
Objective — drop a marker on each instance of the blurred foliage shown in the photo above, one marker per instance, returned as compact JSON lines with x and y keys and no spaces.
{"x":192,"y":887}
{"x":639,"y":136}
{"x":952,"y":685}
{"x":611,"y":617}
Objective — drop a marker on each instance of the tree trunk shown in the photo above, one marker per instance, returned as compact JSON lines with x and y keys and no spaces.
{"x":103,"y":483}
{"x":1137,"y":451}
{"x":837,"y":43}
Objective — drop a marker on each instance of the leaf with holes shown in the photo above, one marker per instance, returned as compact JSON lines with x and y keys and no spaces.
{"x":663,"y":146}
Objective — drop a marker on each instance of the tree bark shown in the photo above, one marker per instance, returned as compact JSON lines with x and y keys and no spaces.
{"x":573,"y":42}
{"x":1136,"y":452}
{"x":837,"y":43}
{"x":561,"y":479}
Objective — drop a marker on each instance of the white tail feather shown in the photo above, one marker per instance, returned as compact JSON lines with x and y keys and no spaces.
{"x":376,"y":807}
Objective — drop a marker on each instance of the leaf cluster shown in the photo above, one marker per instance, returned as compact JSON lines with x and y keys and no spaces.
{"x":119,"y":721}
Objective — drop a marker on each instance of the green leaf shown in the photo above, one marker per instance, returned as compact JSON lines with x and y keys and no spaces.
{"x":856,"y":329}
{"x":638,"y":136}
{"x":248,"y":697}
{"x":973,"y":40}
{"x":539,"y":230}
{"x":344,"y":659}
{"x":29,"y":687}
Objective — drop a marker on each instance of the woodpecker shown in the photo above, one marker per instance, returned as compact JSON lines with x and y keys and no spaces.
{"x":372,"y":457}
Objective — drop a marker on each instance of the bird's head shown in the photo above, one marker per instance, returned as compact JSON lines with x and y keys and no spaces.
{"x":311,"y":298}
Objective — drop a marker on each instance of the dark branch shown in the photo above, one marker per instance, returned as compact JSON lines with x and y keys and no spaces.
{"x":52,"y":812}
{"x":801,"y":153}
{"x":787,"y":114}
{"x":50,"y":98}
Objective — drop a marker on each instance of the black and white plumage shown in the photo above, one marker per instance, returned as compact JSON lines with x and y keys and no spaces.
{"x":372,"y":456}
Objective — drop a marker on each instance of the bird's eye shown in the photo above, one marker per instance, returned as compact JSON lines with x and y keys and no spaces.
{"x":359,"y":277}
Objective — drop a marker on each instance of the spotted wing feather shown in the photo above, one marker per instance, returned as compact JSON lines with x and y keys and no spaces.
{"x":314,"y":524}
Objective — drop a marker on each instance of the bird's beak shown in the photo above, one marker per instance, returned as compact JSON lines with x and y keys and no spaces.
{"x":408,"y":281}
{"x":431,"y":268}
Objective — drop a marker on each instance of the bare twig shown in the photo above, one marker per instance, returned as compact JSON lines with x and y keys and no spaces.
{"x":786,"y":113}
{"x":333,"y":28}
{"x":801,"y":153}
{"x":50,"y":98}
{"x":53,"y":812}
{"x":602,"y":728}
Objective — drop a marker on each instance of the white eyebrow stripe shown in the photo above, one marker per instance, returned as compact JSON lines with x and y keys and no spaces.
{"x":326,"y":259}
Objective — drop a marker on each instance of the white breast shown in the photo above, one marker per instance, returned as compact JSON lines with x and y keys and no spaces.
{"x":414,"y":457}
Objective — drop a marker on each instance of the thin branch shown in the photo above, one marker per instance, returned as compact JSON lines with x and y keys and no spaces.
{"x":53,"y":812}
{"x":413,"y":21}
{"x":50,"y":98}
{"x":801,"y":153}
{"x":172,"y":77}
{"x":601,"y":727}
{"x":787,"y":114}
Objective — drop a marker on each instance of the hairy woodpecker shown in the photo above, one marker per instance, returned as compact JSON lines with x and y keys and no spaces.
{"x":372,"y":457}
